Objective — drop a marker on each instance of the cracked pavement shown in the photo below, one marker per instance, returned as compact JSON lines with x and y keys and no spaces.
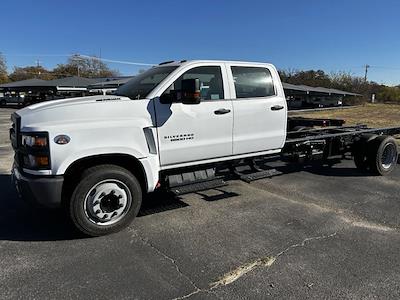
{"x":314,"y":233}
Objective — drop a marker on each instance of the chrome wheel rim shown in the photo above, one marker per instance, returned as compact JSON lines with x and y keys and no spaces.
{"x":107,"y":202}
{"x":388,"y":156}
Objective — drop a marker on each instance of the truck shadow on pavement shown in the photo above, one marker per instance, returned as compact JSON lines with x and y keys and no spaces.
{"x":20,"y":221}
{"x":333,"y":171}
{"x":160,"y":201}
{"x":337,"y":170}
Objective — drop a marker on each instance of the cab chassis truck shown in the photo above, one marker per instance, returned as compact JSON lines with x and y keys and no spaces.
{"x":174,"y":127}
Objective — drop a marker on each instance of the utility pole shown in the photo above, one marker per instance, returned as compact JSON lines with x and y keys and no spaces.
{"x":366,"y":72}
{"x":77,"y":59}
{"x":37,"y":66}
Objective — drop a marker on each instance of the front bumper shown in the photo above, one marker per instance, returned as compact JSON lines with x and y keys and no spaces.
{"x":46,"y":191}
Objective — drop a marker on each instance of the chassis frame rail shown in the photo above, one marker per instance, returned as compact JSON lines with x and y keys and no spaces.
{"x":333,"y":132}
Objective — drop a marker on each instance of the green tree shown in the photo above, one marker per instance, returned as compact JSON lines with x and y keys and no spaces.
{"x":310,"y":77}
{"x":342,"y":81}
{"x":346,"y":82}
{"x":3,"y":69}
{"x":389,"y":93}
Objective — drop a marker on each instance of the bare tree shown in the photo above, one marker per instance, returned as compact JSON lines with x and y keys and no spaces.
{"x":3,"y":69}
{"x":84,"y":67}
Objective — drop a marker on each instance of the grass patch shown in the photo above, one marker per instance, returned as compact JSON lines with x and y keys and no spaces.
{"x":373,"y":115}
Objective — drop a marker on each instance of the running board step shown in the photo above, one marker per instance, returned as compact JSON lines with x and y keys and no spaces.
{"x":259,"y":175}
{"x":191,"y":177}
{"x":198,"y":186}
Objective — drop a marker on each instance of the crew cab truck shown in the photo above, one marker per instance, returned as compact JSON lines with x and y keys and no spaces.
{"x":172,"y":127}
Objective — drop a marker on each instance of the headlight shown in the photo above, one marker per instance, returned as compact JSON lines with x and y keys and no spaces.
{"x":34,"y":140}
{"x":35,"y":150}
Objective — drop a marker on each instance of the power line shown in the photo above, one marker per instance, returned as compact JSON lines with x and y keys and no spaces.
{"x":152,"y":64}
{"x":83,"y":56}
{"x":117,"y":61}
{"x":36,"y":55}
{"x":388,"y":68}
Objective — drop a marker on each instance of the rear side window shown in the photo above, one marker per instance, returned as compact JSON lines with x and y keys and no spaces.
{"x":252,"y":82}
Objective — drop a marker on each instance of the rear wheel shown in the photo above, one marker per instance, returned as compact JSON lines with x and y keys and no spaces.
{"x":382,"y":155}
{"x":106,"y":200}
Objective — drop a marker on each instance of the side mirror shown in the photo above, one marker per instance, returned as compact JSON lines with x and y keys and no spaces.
{"x":190,"y":91}
{"x":166,"y":99}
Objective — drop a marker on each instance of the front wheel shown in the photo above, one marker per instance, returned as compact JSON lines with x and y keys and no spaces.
{"x":106,"y":200}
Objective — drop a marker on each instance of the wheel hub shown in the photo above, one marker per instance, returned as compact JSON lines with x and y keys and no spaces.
{"x":107,"y":202}
{"x":110,"y":203}
{"x":388,"y":156}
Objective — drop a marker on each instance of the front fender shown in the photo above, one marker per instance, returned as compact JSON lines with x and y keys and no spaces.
{"x":59,"y":169}
{"x":97,"y":138}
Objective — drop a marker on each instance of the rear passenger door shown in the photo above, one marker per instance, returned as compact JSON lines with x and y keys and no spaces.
{"x":259,"y":108}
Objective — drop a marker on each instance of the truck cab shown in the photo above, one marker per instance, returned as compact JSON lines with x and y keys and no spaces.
{"x":236,"y":102}
{"x":97,"y":155}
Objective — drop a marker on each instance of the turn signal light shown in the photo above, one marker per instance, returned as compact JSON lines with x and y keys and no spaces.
{"x":32,"y":161}
{"x":42,"y":161}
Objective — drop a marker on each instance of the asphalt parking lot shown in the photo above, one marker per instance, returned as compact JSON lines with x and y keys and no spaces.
{"x":312,"y":233}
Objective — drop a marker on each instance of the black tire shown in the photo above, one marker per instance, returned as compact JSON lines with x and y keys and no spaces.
{"x":360,"y":151}
{"x":382,"y":155}
{"x":3,"y":102}
{"x":82,"y":213}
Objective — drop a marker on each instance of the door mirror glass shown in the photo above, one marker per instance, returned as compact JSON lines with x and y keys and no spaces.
{"x":167,"y":98}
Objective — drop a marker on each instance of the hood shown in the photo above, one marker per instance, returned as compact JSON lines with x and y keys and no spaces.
{"x":104,"y":108}
{"x":45,"y":105}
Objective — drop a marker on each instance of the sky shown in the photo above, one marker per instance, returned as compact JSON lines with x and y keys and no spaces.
{"x":334,"y":36}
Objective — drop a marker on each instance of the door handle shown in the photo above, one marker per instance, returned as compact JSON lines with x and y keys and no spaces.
{"x":277,"y":107}
{"x":222,"y":111}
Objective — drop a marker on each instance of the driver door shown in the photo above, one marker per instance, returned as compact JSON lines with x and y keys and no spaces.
{"x":189,"y":133}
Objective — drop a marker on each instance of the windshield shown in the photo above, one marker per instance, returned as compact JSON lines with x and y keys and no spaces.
{"x":141,"y":85}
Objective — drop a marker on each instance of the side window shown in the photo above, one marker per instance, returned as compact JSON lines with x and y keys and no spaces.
{"x":252,"y":82}
{"x":211,"y":86}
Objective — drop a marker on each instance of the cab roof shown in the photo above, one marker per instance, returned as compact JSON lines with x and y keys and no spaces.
{"x":183,"y":62}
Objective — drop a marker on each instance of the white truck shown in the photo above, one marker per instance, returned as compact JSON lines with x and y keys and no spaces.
{"x":172,"y":127}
